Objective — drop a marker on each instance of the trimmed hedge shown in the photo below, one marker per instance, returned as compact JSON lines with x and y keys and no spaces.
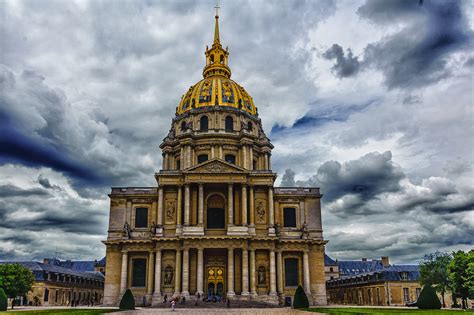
{"x":428,"y":300}
{"x":3,"y":300}
{"x":128,"y":301}
{"x":300,"y":300}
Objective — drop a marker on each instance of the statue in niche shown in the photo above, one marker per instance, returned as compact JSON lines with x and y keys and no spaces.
{"x":126,"y":230}
{"x":153,"y":228}
{"x":277,"y":228}
{"x":261,"y":212}
{"x":170,"y":210}
{"x":168,"y":278}
{"x":262,"y":276}
{"x":304,"y":230}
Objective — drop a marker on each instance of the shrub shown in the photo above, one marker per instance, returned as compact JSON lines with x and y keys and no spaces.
{"x":428,"y":299}
{"x":3,"y":300}
{"x":128,"y":301}
{"x":300,"y":300}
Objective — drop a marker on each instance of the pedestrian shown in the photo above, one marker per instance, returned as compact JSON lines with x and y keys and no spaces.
{"x":173,"y":303}
{"x":165,"y":299}
{"x":228,"y":303}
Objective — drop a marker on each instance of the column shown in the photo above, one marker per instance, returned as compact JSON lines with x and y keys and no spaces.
{"x":149,"y":280}
{"x":272,"y":273}
{"x":124,"y":272}
{"x":245,"y":271}
{"x":157,"y":273}
{"x":188,"y":156}
{"x":177,"y":276}
{"x":182,"y":159}
{"x":244,"y":205}
{"x":201,"y":205}
{"x":306,"y":281}
{"x":164,"y":162}
{"x":179,"y":207}
{"x":280,"y":272}
{"x":185,"y":272}
{"x":250,"y":158}
{"x":186,"y":204}
{"x":244,"y":155}
{"x":266,"y":161}
{"x":252,"y":206}
{"x":213,"y":154}
{"x":302,"y":212}
{"x":271,"y":211}
{"x":230,"y":206}
{"x":200,"y":271}
{"x":253,"y":283}
{"x":230,"y":272}
{"x":221,"y":155}
{"x":160,"y":206}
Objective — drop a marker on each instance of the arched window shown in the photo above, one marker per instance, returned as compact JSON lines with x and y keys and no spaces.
{"x":229,"y":123}
{"x":204,"y":123}
{"x":221,"y":58}
{"x":249,"y":126}
{"x":212,"y":59}
{"x":183,"y":126}
{"x":229,"y":158}
{"x":202,"y":158}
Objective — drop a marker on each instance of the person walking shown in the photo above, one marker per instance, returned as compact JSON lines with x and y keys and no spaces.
{"x":173,"y":304}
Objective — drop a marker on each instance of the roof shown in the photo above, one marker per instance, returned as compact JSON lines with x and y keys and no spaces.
{"x":328,"y":261}
{"x":86,"y":265}
{"x":391,"y":273}
{"x":39,"y":270}
{"x":353,"y":267}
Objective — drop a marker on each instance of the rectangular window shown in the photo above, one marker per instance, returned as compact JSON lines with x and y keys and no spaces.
{"x":289,"y":217}
{"x":406,"y":295}
{"x":291,"y":272}
{"x":138,"y":272}
{"x":141,"y":217}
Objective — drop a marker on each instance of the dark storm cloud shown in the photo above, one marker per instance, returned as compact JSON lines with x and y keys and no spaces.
{"x":13,"y":191}
{"x":415,"y":56}
{"x":346,"y":64}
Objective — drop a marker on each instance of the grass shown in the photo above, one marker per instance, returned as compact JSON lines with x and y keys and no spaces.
{"x":94,"y":311}
{"x":381,"y":311}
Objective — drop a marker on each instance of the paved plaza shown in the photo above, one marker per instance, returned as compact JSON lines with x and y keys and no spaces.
{"x":211,"y":311}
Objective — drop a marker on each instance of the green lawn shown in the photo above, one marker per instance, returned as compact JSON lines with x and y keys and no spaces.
{"x":95,"y":311}
{"x":381,"y":311}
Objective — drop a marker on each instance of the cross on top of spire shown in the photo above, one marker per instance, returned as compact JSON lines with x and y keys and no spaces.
{"x":217,"y":7}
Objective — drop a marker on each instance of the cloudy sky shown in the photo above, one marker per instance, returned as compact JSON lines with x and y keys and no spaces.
{"x":370,"y":100}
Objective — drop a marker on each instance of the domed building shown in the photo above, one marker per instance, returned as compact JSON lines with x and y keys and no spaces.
{"x":215,"y":227}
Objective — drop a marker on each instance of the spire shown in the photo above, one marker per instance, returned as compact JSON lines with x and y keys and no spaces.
{"x":216,"y":30}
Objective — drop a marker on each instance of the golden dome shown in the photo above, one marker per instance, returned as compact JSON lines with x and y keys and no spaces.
{"x":216,"y":89}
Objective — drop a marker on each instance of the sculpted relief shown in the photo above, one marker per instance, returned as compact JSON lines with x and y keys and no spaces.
{"x":261,"y":212}
{"x":170,"y":211}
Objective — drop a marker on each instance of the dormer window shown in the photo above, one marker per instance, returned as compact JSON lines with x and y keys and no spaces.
{"x":202,"y":158}
{"x":204,"y":123}
{"x":229,"y":158}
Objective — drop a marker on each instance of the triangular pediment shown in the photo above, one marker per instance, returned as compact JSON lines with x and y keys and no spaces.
{"x":215,"y":166}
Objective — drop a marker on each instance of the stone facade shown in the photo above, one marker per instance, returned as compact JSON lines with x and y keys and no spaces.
{"x":215,"y":226}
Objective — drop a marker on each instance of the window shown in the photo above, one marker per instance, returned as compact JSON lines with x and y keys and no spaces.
{"x":417,"y":292}
{"x":183,"y":126}
{"x":141,"y":217}
{"x":178,"y":164}
{"x":204,"y":123}
{"x":229,"y":158}
{"x":289,"y":217}
{"x":221,"y":58}
{"x":254,"y":163}
{"x":46,"y":295}
{"x":138,"y":272}
{"x":291,"y":272}
{"x":404,"y":275}
{"x":406,"y":295}
{"x":202,"y":158}
{"x":215,"y":212}
{"x":229,"y":123}
{"x":249,"y":126}
{"x":331,"y":269}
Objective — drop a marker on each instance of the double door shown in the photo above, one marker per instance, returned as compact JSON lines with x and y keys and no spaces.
{"x":215,"y":283}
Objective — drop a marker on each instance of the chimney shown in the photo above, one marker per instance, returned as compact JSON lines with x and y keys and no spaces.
{"x":45,"y":261}
{"x":385,"y":261}
{"x":364,"y":259}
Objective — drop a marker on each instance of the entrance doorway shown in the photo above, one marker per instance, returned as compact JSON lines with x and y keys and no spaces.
{"x":215,"y":283}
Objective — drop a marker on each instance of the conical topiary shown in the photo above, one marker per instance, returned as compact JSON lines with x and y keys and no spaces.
{"x":300,"y":300}
{"x":128,"y":301}
{"x":3,"y":300}
{"x":428,"y":300}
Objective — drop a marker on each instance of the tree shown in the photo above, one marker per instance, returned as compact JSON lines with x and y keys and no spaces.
{"x":15,"y":280}
{"x":434,"y":272}
{"x":128,"y":301}
{"x":428,"y":300}
{"x":459,"y":275}
{"x":300,"y":300}
{"x":3,"y":300}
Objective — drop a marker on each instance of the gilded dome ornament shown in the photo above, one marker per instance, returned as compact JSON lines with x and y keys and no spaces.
{"x":216,"y":89}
